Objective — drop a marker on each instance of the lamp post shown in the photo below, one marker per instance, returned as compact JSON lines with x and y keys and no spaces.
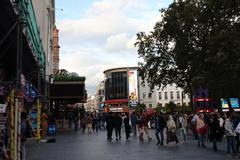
{"x":182,"y":101}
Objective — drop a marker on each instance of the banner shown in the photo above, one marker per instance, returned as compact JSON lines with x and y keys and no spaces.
{"x":3,"y":108}
{"x":133,"y":87}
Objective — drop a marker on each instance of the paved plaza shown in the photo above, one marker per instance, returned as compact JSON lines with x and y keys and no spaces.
{"x":72,"y":145}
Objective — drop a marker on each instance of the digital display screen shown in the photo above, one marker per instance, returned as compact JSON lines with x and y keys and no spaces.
{"x":234,"y":102}
{"x":224,"y":103}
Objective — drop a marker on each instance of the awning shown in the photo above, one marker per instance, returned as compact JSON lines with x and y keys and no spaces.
{"x":116,"y":101}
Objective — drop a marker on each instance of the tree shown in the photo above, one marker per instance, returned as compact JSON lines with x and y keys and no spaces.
{"x":190,"y":46}
{"x":140,"y":108}
{"x":170,"y":107}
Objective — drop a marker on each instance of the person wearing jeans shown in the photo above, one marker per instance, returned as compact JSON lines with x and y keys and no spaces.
{"x":230,"y":134}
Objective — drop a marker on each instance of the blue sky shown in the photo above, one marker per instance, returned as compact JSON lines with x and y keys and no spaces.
{"x":96,"y":35}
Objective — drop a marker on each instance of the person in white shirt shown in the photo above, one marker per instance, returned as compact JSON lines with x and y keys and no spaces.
{"x":193,"y":124}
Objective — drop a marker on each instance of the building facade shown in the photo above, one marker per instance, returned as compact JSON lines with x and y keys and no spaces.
{"x":45,"y":16}
{"x":121,"y":89}
{"x":161,"y":97}
{"x":55,"y":51}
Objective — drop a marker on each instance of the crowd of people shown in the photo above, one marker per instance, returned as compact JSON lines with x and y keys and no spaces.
{"x":174,"y":127}
{"x":177,"y":127}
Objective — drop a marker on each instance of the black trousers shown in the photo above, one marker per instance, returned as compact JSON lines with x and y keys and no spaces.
{"x":109,"y":132}
{"x":127,"y":130}
{"x":118,"y":132}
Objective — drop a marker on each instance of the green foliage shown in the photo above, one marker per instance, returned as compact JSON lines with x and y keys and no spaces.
{"x":197,"y":43}
{"x":170,"y":107}
{"x":140,"y":108}
{"x":68,"y":78}
{"x":158,"y":109}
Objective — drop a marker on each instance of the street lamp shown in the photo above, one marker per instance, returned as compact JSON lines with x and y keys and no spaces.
{"x":182,"y":101}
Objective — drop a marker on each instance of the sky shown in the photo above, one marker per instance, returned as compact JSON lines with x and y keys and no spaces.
{"x":96,"y":35}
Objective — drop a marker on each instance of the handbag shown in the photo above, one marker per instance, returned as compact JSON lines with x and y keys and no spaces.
{"x":238,"y":128}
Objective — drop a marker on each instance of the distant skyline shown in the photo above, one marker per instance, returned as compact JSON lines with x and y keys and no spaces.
{"x":96,"y":35}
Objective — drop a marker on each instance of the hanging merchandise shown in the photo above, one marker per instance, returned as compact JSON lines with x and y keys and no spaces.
{"x":5,"y":98}
{"x":3,"y":130}
{"x":38,"y":120}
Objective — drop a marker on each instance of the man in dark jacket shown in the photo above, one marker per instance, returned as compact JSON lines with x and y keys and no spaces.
{"x":109,"y":121}
{"x":118,"y":126}
{"x":160,"y":124}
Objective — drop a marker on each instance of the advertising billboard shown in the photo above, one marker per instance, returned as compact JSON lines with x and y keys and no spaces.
{"x":230,"y":103}
{"x":224,"y":103}
{"x":234,"y":102}
{"x":133,"y":87}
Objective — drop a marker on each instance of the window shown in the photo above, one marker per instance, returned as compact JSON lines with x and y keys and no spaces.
{"x":183,"y":95}
{"x":159,"y":95}
{"x":150,"y":95}
{"x":165,"y":95}
{"x":178,"y":104}
{"x":203,"y":94}
{"x":144,"y":95}
{"x":184,"y":104}
{"x":171,"y":84}
{"x":178,"y":95}
{"x":171,"y":95}
{"x":150,"y":105}
{"x":160,"y":105}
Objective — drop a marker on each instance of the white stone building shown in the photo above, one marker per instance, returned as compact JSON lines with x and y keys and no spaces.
{"x":162,"y":96}
{"x":45,"y":16}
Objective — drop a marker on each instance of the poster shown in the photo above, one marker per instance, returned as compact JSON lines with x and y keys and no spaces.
{"x":33,"y":118}
{"x":133,"y":87}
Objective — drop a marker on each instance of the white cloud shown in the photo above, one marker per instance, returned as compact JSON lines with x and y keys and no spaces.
{"x":108,"y":26}
{"x":119,"y":43}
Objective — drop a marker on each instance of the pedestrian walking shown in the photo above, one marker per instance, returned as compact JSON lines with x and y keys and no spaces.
{"x":182,"y":125}
{"x":160,"y":125}
{"x":118,"y":126}
{"x":95,"y":122}
{"x":193,"y":126}
{"x":230,"y":134}
{"x":201,"y":129}
{"x":143,"y":126}
{"x":109,"y":122}
{"x":214,"y":128}
{"x":127,"y":126}
{"x":134,"y":123}
{"x":89,"y":123}
{"x":171,"y":130}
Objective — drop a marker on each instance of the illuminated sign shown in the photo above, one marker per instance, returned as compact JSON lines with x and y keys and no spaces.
{"x":133,"y":87}
{"x":234,"y":102}
{"x":224,"y":103}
